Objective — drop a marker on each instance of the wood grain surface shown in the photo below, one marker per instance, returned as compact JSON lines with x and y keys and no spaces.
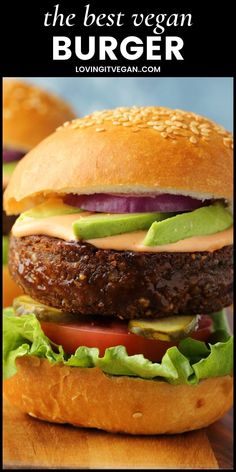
{"x":220,"y":435}
{"x":29,"y":443}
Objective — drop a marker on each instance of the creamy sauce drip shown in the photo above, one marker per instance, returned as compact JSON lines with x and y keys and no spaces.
{"x":61,"y":227}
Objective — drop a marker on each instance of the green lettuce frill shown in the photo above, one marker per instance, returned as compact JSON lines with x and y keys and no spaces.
{"x":188,"y":363}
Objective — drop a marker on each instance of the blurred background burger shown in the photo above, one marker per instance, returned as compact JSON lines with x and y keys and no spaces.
{"x":30,"y":113}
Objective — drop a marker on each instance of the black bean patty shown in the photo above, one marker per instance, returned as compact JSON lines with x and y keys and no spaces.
{"x":80,"y":278}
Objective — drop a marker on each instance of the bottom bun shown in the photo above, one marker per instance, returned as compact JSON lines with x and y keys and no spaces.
{"x":10,"y":289}
{"x":87,"y":397}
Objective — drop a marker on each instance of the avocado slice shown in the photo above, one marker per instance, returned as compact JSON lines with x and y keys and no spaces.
{"x":25,"y":305}
{"x":5,"y":243}
{"x":165,"y":329}
{"x":8,"y":168}
{"x":102,"y":225}
{"x":51,"y":207}
{"x":206,"y":220}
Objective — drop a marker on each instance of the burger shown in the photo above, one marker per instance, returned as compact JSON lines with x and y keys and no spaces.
{"x":29,"y":115}
{"x":123,"y":249}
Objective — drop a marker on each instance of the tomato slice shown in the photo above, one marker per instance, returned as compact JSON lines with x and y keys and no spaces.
{"x":114,"y":333}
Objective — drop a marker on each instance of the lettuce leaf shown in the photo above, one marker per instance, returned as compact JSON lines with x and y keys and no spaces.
{"x":188,"y":363}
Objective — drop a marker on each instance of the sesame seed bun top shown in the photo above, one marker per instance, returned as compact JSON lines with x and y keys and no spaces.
{"x":127,"y":150}
{"x":30,"y":114}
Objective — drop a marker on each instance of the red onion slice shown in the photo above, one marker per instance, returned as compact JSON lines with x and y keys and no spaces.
{"x":10,"y":155}
{"x":107,"y":203}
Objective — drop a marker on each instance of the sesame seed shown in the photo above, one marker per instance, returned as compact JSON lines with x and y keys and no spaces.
{"x":222,"y":133}
{"x":227,"y":142}
{"x":169,"y":123}
{"x":178,"y":123}
{"x":204,"y":132}
{"x":203,"y":125}
{"x":32,"y":414}
{"x":194,"y":130}
{"x":159,"y":128}
{"x":137,"y":414}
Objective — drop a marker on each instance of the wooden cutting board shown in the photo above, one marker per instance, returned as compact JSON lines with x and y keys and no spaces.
{"x":29,"y":443}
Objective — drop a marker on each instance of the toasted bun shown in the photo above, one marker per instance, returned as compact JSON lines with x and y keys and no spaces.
{"x":88,"y":397}
{"x":10,"y":289}
{"x":129,"y":150}
{"x":30,"y":114}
